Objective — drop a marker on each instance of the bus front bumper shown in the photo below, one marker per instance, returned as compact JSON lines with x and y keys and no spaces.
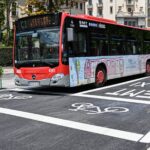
{"x":45,"y":82}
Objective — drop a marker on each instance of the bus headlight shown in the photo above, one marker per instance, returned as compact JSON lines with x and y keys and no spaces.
{"x":57,"y":77}
{"x":18,"y":71}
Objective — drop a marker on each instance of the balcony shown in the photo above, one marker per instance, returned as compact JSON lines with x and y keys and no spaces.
{"x":90,"y":6}
{"x":130,"y":15}
{"x":99,"y":5}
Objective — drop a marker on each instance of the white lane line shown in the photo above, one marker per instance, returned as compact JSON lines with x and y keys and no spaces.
{"x":4,"y":90}
{"x":75,"y":125}
{"x":110,"y":86}
{"x":146,"y":138}
{"x":114,"y":99}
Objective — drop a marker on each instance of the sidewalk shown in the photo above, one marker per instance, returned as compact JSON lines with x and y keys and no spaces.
{"x":8,"y":78}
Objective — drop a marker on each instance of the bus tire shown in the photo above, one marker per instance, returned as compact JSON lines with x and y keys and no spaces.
{"x":147,"y":68}
{"x":100,"y":76}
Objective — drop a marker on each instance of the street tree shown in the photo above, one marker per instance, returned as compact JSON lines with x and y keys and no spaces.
{"x":35,"y":7}
{"x":5,"y":10}
{"x":2,"y":16}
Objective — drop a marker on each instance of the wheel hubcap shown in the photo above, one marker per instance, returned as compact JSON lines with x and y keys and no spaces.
{"x":148,"y":68}
{"x":100,"y":77}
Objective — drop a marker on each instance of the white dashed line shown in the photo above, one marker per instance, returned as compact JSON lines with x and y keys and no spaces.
{"x":110,"y":86}
{"x":146,"y":138}
{"x":114,"y":99}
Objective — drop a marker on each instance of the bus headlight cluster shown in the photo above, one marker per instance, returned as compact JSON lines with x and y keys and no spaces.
{"x":18,"y":71}
{"x":57,"y":77}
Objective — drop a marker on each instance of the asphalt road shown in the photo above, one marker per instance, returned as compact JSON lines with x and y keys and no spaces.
{"x":114,"y":117}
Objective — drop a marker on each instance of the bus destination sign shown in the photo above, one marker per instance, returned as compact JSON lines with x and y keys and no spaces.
{"x":37,"y":22}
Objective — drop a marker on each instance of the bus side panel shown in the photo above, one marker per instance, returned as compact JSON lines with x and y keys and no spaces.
{"x":82,"y":69}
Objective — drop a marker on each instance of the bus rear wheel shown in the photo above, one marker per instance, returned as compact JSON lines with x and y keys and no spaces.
{"x":100,"y":77}
{"x":148,"y":68}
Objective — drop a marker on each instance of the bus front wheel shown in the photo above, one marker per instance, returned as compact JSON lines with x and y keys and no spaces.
{"x":100,"y":76}
{"x":148,"y":68}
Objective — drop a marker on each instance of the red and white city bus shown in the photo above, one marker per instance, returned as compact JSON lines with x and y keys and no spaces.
{"x":71,"y":50}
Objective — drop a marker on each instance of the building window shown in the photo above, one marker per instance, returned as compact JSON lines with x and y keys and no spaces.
{"x":90,"y":2}
{"x":129,"y":1}
{"x":100,"y":1}
{"x":148,"y":12}
{"x":148,"y":23}
{"x":131,"y":23}
{"x":111,"y":1}
{"x":119,"y":8}
{"x":111,"y":9}
{"x":99,"y":11}
{"x":81,"y":6}
{"x":76,"y":5}
{"x":141,"y":9}
{"x":90,"y":12}
{"x":72,"y":4}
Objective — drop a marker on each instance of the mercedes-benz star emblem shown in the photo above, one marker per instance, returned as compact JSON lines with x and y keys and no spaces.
{"x":33,"y":77}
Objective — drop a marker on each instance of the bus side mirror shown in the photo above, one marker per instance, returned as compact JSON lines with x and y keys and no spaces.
{"x":70,"y":34}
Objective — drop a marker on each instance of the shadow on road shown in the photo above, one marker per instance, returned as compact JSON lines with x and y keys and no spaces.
{"x":67,"y":90}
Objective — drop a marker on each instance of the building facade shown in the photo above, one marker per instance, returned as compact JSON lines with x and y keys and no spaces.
{"x":73,"y":7}
{"x":148,"y":13}
{"x":128,"y":12}
{"x":101,"y":8}
{"x":131,"y":12}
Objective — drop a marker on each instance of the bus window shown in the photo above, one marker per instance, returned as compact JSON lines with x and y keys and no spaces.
{"x":146,"y":48}
{"x":98,"y":45}
{"x":76,"y":48}
{"x":146,"y":44}
{"x":103,"y":47}
{"x":116,"y":46}
{"x":81,"y":44}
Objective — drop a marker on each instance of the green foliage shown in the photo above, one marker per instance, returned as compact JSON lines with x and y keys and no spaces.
{"x":1,"y":70}
{"x":5,"y":9}
{"x":35,"y":7}
{"x":4,"y":39}
{"x":2,"y":16}
{"x":5,"y":56}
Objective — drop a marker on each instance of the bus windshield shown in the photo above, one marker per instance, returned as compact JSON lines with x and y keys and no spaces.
{"x":40,"y":47}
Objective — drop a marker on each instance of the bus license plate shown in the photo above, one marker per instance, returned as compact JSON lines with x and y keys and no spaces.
{"x":34,"y":83}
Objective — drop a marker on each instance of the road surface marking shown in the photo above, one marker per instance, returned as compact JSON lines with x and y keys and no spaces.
{"x":110,"y":86}
{"x":130,"y":136}
{"x":114,"y":99}
{"x":11,"y":96}
{"x":146,"y":138}
{"x":90,"y":108}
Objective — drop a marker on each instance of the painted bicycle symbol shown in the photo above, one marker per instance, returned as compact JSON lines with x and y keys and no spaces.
{"x":11,"y":96}
{"x":92,"y":109}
